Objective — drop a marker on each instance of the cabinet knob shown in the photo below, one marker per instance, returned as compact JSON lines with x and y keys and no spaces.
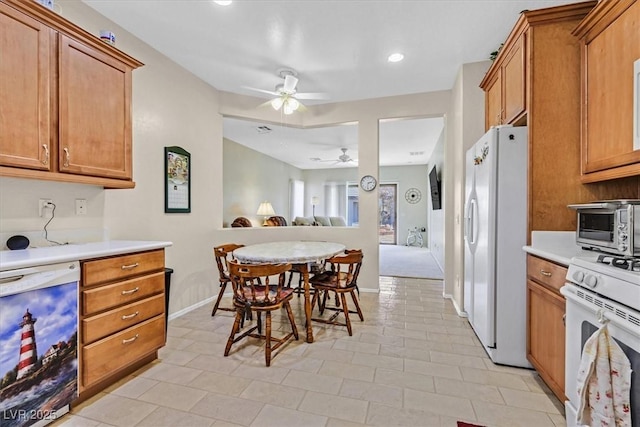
{"x":67,"y":157}
{"x":545,"y":273}
{"x":45,"y":148}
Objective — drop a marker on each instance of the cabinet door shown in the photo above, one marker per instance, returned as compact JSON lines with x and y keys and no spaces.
{"x":513,"y":84}
{"x":493,"y":99}
{"x":95,"y":123}
{"x":25,"y":78}
{"x":546,"y":335}
{"x":608,"y":95}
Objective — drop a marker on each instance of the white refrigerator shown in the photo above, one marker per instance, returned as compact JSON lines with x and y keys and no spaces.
{"x":495,"y":230}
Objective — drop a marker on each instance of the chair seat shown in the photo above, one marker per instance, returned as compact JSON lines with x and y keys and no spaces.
{"x":328,"y":280}
{"x":261,"y":292}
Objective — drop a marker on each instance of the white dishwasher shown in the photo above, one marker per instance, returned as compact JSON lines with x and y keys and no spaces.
{"x":38,"y":343}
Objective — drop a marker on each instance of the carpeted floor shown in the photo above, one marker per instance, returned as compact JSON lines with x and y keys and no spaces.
{"x":408,"y":261}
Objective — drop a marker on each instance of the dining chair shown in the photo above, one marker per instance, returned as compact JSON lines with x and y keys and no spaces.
{"x":253,"y":292}
{"x":341,"y":278}
{"x":223,"y":255}
{"x":314,"y":268}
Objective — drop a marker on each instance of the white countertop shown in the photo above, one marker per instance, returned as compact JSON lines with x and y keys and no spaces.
{"x":556,"y":246}
{"x":10,"y":260}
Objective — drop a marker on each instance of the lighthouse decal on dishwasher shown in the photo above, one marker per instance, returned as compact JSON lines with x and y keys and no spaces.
{"x":28,"y":351}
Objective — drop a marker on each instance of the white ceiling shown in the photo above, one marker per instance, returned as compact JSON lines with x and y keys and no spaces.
{"x":337,"y":47}
{"x":402,"y":142}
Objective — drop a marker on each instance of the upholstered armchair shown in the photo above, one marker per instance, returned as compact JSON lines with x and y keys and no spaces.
{"x":276,"y":221}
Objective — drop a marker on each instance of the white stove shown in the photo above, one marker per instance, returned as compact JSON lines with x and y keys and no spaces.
{"x":614,"y":278}
{"x":602,"y":289}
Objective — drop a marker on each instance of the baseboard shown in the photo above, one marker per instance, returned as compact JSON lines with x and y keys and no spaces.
{"x":460,"y":312}
{"x":191,"y":308}
{"x":210,"y":301}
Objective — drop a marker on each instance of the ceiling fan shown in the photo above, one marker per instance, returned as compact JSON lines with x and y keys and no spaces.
{"x":343,"y":158}
{"x":286,"y":94}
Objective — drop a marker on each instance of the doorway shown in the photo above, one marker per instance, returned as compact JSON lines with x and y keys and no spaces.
{"x":387,"y":214}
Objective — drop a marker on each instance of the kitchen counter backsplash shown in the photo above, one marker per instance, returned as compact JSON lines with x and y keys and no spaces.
{"x":556,"y":246}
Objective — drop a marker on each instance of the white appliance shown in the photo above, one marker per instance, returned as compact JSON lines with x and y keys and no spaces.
{"x":38,"y":338}
{"x":602,"y":289}
{"x":495,"y":232}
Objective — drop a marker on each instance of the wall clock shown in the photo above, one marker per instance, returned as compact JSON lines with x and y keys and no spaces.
{"x":368,"y":183}
{"x":413,"y":195}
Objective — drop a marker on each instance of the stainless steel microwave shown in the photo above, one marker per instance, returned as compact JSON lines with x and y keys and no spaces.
{"x":611,"y":226}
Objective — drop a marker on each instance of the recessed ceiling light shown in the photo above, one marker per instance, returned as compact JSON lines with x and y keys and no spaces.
{"x":395,"y":57}
{"x":222,"y":2}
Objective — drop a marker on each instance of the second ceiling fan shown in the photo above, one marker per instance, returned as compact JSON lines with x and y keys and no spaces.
{"x":343,"y":158}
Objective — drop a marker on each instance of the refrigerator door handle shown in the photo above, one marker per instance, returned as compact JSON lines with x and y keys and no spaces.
{"x":472,"y":222}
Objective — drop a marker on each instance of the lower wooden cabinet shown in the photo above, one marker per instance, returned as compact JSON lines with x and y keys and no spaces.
{"x":102,"y":358}
{"x":545,"y":322}
{"x":122,"y":317}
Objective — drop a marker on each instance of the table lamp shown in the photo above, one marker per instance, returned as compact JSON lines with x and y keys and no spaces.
{"x":265,"y":209}
{"x":314,"y":202}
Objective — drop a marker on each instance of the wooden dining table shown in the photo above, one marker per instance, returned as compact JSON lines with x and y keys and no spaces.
{"x":300,"y":253}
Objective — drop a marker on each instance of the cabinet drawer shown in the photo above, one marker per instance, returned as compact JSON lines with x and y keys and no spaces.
{"x":97,"y":327}
{"x":114,"y":295}
{"x":102,"y":358}
{"x":545,"y":272}
{"x":121,"y":267}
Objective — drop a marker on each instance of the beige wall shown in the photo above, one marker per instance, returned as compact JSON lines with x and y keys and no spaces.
{"x":465,"y":126}
{"x":173,"y":107}
{"x":250,"y":178}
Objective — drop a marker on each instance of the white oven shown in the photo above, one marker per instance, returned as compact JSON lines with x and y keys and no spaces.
{"x":589,"y":305}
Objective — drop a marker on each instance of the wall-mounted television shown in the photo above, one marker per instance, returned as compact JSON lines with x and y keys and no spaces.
{"x":434,"y":185}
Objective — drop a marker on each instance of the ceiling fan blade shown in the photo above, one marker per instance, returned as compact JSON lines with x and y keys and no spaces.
{"x":290,"y":83}
{"x":270,"y":92}
{"x":312,"y":95}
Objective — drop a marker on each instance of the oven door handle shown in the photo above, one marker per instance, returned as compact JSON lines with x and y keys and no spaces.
{"x":602,"y":314}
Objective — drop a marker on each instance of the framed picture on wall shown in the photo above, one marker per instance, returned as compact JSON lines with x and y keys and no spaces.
{"x":177,"y":180}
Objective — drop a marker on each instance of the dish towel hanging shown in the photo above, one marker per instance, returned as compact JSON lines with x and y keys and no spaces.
{"x":604,"y":383}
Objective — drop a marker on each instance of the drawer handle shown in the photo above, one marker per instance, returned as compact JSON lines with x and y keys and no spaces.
{"x":130,"y":316}
{"x":564,"y":320}
{"x":132,"y":291}
{"x":545,"y":273}
{"x":130,"y":266}
{"x":130,"y":340}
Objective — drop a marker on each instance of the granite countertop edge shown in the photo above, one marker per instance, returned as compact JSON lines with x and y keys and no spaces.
{"x":11,"y":260}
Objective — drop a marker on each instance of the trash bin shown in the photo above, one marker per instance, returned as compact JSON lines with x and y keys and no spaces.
{"x":167,"y":291}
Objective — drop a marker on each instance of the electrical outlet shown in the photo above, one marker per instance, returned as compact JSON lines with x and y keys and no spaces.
{"x":81,"y":206}
{"x":44,"y":204}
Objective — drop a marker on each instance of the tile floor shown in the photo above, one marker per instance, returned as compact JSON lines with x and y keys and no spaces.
{"x":413,"y":362}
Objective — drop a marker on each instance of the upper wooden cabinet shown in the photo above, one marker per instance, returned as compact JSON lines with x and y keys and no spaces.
{"x":539,"y":68}
{"x":94,"y":89}
{"x":505,"y":86}
{"x":25,"y":90}
{"x":609,"y":46}
{"x":66,"y":110}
